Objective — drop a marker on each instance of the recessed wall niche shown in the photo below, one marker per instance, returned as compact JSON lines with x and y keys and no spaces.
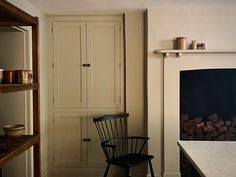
{"x":208,"y":91}
{"x":207,"y":107}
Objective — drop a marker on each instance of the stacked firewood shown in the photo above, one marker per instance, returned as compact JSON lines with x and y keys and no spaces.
{"x":212,"y":127}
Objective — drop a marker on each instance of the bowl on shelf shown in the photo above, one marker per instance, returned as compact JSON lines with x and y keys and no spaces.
{"x":14,"y":130}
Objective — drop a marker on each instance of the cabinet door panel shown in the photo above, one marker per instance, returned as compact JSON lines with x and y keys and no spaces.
{"x":104,"y":56}
{"x":96,"y":157}
{"x":69,"y":50}
{"x":69,"y":148}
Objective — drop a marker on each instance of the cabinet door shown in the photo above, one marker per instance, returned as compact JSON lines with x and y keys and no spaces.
{"x":96,"y":157}
{"x":69,"y":148}
{"x":69,"y":54}
{"x":104,"y":57}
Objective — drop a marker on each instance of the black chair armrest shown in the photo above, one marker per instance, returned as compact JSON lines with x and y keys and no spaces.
{"x":139,"y":137}
{"x":108,"y":145}
{"x":131,"y":144}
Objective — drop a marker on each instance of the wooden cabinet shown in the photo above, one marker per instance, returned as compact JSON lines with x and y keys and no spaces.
{"x":87,"y":80}
{"x":104,"y":72}
{"x":69,"y":54}
{"x":70,"y":130}
{"x":96,"y":156}
{"x":12,"y":16}
{"x":87,"y":65}
{"x":76,"y":142}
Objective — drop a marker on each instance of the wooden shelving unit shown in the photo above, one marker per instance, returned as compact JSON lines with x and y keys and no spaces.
{"x":13,"y":16}
{"x":179,"y":53}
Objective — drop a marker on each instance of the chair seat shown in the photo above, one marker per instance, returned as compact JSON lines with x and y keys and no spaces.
{"x":130,"y":160}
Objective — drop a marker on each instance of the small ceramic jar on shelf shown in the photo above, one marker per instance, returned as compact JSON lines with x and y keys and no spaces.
{"x":181,"y":43}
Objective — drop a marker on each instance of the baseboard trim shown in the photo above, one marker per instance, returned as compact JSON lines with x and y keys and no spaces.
{"x":45,"y":173}
{"x":156,"y":175}
{"x":172,"y":175}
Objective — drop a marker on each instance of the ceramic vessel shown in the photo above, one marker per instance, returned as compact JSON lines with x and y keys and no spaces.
{"x":14,"y":130}
{"x":181,"y":43}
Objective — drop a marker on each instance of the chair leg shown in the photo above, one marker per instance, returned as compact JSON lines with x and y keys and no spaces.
{"x":127,"y":172}
{"x":151,"y":169}
{"x":108,"y":166}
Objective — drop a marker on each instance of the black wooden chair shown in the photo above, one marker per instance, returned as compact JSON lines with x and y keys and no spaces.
{"x":119,"y":148}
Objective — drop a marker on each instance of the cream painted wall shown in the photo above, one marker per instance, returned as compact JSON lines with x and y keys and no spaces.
{"x":13,"y":106}
{"x":27,"y":7}
{"x":216,"y":27}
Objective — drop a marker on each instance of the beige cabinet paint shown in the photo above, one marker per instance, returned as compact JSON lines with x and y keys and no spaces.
{"x":96,"y":157}
{"x":69,"y":53}
{"x":69,"y":148}
{"x":87,"y":80}
{"x":87,"y":65}
{"x":104,"y":57}
{"x":71,"y":145}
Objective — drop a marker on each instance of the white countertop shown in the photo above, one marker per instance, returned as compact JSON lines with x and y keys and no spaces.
{"x":211,"y":158}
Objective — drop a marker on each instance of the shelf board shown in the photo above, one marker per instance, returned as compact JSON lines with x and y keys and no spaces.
{"x":15,"y":146}
{"x":179,"y":53}
{"x":5,"y":88}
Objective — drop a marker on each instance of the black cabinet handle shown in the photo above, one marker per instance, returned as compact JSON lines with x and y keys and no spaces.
{"x":87,"y":139}
{"x":86,"y":65}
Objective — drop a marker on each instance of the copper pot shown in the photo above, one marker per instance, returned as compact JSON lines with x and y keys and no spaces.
{"x":1,"y":75}
{"x":24,"y":76}
{"x":8,"y":76}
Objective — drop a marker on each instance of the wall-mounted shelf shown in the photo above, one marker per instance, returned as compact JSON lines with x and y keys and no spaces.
{"x":15,"y":146}
{"x":6,"y":88}
{"x":179,"y":53}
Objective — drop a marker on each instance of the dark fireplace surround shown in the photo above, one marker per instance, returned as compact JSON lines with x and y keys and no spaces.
{"x":207,"y":106}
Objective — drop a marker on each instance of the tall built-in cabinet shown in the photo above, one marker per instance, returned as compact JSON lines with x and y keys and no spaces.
{"x":13,"y":16}
{"x":87,"y":80}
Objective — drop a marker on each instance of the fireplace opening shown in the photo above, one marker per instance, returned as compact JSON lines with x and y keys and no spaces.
{"x":203,"y":92}
{"x":207,"y":107}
